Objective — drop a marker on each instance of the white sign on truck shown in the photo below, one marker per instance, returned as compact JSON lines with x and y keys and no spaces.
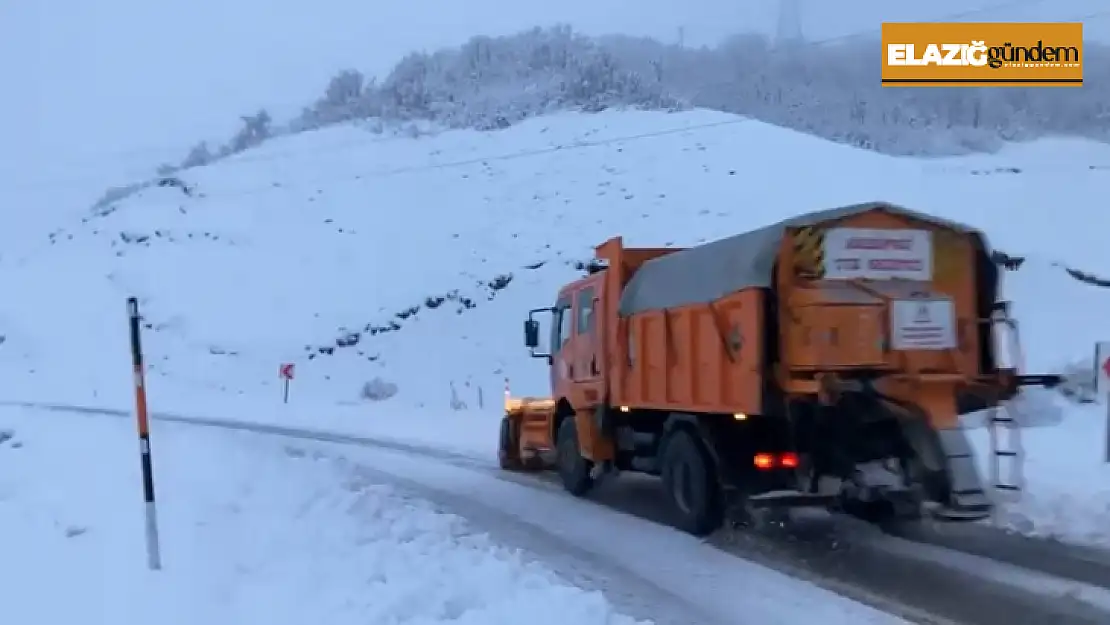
{"x":875,"y":254}
{"x":925,"y":324}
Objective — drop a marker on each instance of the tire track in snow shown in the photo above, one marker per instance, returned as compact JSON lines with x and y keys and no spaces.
{"x":941,"y":583}
{"x":961,"y":576}
{"x":627,"y":590}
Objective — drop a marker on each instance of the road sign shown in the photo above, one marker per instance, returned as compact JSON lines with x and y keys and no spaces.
{"x":1102,"y":385}
{"x":285,"y":371}
{"x":1102,"y":368}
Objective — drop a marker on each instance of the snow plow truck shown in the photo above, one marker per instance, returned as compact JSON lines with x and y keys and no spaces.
{"x":822,"y":361}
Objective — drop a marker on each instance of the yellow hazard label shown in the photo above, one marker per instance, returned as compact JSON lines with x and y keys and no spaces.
{"x":809,"y":252}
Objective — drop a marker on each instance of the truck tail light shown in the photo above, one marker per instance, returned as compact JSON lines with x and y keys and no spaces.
{"x":768,"y":461}
{"x":764,"y":462}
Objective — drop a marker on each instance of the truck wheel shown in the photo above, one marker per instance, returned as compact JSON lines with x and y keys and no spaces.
{"x":573,"y":468}
{"x":691,"y":484}
{"x":508,"y":449}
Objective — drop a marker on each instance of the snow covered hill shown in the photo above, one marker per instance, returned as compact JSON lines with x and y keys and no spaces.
{"x":410,"y":261}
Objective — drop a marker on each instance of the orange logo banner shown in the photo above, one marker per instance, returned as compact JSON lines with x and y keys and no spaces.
{"x":957,"y":54}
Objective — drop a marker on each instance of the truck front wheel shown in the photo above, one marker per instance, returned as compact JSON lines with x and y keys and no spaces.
{"x":689,"y":478}
{"x":573,"y":468}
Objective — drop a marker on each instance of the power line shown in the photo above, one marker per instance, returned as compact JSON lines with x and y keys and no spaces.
{"x":508,"y":156}
{"x":951,"y":17}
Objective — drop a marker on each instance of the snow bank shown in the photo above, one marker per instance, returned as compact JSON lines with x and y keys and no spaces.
{"x":1067,"y":483}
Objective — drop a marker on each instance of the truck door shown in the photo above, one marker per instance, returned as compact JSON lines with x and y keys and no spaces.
{"x":587,"y":346}
{"x":562,"y":319}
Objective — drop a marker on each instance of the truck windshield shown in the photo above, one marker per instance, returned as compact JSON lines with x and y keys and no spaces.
{"x":560,"y":324}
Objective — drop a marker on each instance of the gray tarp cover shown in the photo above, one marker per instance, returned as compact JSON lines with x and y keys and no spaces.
{"x":711,"y":271}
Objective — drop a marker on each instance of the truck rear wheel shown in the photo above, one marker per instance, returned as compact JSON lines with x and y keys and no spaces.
{"x":573,"y":468}
{"x":691,"y":483}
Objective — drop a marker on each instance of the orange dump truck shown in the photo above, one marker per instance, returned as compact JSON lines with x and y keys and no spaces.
{"x":820,"y":361}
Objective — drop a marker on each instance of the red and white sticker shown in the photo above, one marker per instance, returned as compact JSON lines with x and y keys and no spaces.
{"x":874,"y":254}
{"x":285,"y":371}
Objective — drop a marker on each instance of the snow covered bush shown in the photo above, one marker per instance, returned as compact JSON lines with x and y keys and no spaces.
{"x":492,"y":82}
{"x":830,"y":90}
{"x":198,"y":156}
{"x":378,"y":390}
{"x":255,"y":130}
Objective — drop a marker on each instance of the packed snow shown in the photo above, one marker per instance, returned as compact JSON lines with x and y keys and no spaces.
{"x":252,"y":531}
{"x":395,"y":271}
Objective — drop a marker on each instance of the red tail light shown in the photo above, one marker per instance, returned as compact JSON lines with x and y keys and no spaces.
{"x":764,"y":462}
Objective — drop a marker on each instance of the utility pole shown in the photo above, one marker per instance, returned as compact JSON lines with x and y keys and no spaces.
{"x":789,"y":30}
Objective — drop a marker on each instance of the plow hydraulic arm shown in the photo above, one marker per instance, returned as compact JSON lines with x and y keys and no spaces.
{"x":1047,"y":380}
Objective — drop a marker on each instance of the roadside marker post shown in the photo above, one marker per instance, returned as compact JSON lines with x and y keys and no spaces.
{"x":1102,"y":385}
{"x":285,"y":372}
{"x":153,"y":549}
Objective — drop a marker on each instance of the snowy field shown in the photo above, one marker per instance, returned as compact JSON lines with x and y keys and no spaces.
{"x":257,"y":529}
{"x":411,"y":261}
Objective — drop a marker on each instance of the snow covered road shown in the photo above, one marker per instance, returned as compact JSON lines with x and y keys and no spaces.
{"x":650,"y":571}
{"x":257,"y":529}
{"x":920,"y":582}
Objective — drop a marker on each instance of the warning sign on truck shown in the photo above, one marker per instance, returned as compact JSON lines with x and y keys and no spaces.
{"x":928,"y":324}
{"x":873,"y":254}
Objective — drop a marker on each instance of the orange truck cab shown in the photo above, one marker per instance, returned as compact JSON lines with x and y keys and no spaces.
{"x":820,"y":361}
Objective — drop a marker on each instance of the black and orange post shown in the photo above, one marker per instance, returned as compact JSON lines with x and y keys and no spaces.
{"x":153,"y":550}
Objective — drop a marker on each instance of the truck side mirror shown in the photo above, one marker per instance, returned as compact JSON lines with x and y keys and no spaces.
{"x":531,"y":333}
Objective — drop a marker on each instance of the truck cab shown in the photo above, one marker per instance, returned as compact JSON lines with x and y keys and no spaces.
{"x":576,"y":349}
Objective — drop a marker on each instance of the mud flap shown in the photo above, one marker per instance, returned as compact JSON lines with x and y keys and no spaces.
{"x":967,"y":499}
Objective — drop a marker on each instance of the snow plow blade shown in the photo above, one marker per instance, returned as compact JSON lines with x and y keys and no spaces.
{"x":945,"y":513}
{"x":525,"y":442}
{"x":790,"y":499}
